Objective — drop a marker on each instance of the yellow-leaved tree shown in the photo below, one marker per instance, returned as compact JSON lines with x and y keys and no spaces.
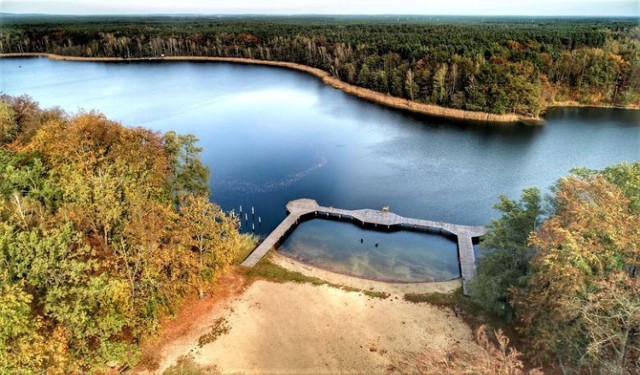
{"x":211,"y":234}
{"x":97,"y":239}
{"x":582,"y":305}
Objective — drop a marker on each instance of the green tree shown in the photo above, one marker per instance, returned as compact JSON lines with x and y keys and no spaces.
{"x":364,"y":77}
{"x":505,"y":266}
{"x":22,"y":347}
{"x":188,"y":174}
{"x":70,"y":290}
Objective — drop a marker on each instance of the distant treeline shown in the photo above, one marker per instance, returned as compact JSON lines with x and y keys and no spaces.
{"x":499,"y":65}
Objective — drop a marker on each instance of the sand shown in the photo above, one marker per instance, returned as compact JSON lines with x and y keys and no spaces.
{"x":304,"y":329}
{"x":361,"y":283}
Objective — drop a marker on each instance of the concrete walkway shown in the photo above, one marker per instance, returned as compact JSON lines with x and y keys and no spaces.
{"x":308,"y":207}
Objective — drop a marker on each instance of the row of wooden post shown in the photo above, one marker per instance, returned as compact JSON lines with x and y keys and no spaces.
{"x":253,"y":218}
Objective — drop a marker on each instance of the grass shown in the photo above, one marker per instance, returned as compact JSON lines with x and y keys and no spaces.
{"x":267,"y":270}
{"x":455,"y":301}
{"x":218,"y":328}
{"x":187,"y":366}
{"x":450,"y":300}
{"x":439,"y":299}
{"x":376,"y":294}
{"x":246,"y":247}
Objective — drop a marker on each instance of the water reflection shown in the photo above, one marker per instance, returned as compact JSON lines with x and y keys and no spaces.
{"x":396,"y":256}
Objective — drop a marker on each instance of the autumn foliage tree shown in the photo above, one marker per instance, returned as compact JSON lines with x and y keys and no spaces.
{"x":94,"y":249}
{"x":214,"y":236}
{"x":582,"y":305}
{"x":572,"y":280}
{"x":488,"y":358}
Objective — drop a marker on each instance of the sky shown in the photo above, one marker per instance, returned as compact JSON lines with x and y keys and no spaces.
{"x":418,"y":7}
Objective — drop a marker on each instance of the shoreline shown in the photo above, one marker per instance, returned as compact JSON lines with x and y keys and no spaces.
{"x":327,"y":79}
{"x":356,"y":276}
{"x":392,"y":288}
{"x":574,"y":104}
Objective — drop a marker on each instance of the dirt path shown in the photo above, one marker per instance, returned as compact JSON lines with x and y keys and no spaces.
{"x":304,"y":329}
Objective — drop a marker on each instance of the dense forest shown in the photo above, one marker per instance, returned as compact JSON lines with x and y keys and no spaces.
{"x":566,"y":273}
{"x":510,"y":65}
{"x":104,"y":229}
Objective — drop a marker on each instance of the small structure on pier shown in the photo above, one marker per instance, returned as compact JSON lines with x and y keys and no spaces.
{"x":302,"y":208}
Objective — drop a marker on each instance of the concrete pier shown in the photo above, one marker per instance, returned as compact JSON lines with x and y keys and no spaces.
{"x":308,"y":207}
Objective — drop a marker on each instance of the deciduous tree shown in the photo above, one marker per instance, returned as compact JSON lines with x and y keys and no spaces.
{"x":582,"y":301}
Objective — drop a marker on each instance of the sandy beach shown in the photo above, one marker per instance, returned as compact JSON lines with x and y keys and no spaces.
{"x":289,"y":328}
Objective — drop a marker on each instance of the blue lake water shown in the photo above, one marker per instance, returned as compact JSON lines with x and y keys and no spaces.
{"x":272,"y":135}
{"x":399,"y":256}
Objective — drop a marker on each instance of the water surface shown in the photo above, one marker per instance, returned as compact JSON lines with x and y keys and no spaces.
{"x":272,"y":135}
{"x":399,"y":256}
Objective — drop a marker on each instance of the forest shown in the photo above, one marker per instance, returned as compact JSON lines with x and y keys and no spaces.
{"x":565,"y":272}
{"x":104,"y":230}
{"x":496,"y":65}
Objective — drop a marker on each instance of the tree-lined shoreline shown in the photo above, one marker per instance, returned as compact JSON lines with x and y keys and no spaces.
{"x":327,"y":79}
{"x":496,"y":70}
{"x":359,"y":92}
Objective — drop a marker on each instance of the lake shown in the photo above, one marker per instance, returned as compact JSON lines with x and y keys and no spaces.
{"x":272,"y":135}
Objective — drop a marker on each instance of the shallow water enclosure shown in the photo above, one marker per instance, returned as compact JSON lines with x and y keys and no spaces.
{"x":303,"y":209}
{"x":347,"y":248}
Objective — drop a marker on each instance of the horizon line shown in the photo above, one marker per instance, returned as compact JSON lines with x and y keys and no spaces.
{"x":320,"y":15}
